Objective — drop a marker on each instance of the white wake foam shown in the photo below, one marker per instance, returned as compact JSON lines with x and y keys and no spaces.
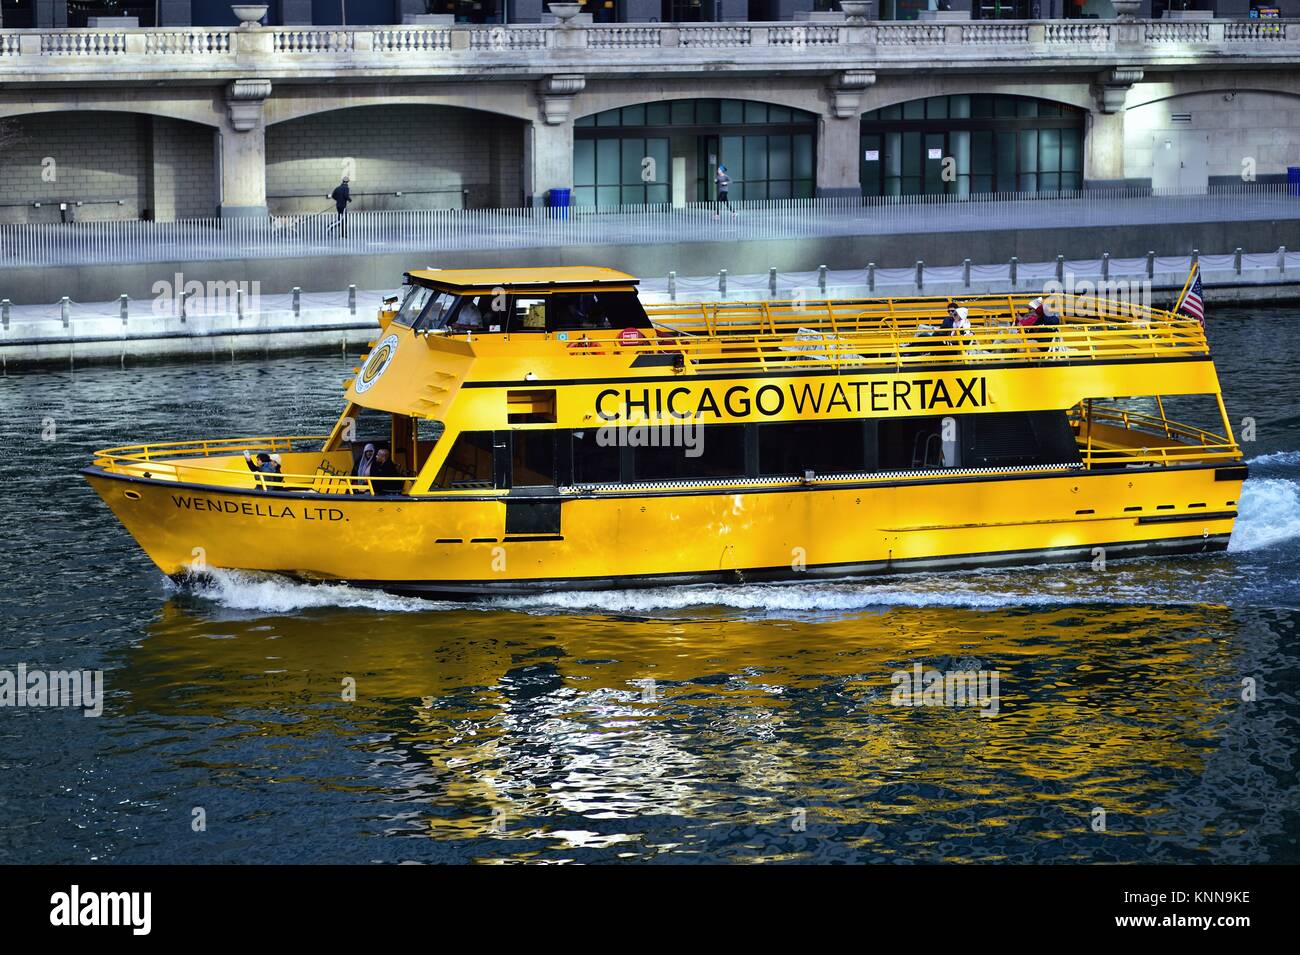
{"x":1275,"y":459}
{"x":1267,"y":514}
{"x":269,"y":593}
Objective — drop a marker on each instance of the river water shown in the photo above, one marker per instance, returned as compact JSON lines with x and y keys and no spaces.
{"x":742,"y":724}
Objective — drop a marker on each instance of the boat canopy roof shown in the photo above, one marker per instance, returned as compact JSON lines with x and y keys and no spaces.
{"x":532,"y":279}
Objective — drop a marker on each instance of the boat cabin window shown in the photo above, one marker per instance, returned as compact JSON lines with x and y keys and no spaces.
{"x":909,"y":444}
{"x":469,"y":464}
{"x":588,"y":311}
{"x":424,"y":308}
{"x":595,"y":457}
{"x":1010,"y":438}
{"x":686,"y":453}
{"x":527,"y":313}
{"x":532,"y":459}
{"x":823,"y":447}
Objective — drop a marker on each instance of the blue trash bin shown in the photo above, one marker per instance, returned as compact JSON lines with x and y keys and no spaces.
{"x":1293,"y":180}
{"x":558,"y":200}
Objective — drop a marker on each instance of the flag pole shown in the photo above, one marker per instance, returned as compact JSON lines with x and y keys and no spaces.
{"x":1186,"y":285}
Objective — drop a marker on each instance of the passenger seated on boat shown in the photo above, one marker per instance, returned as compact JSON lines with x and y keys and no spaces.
{"x":365,"y":462}
{"x":471,"y":315}
{"x":384,"y":467}
{"x":267,"y":467}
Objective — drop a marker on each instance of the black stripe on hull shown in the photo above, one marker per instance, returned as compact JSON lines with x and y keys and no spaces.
{"x":472,"y":590}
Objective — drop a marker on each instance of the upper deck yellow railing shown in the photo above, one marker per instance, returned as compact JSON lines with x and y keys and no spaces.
{"x":898,"y":333}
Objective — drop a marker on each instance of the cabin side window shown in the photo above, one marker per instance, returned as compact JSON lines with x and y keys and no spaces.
{"x":469,"y":463}
{"x":532,"y":458}
{"x":916,"y":444}
{"x":686,"y":453}
{"x":823,"y":447}
{"x":595,"y":458}
{"x":1012,"y":438}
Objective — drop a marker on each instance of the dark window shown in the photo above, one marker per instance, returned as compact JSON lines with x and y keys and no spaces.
{"x":826,"y":447}
{"x":911,"y":443}
{"x":469,"y":463}
{"x":594,"y":462}
{"x":532,"y":461}
{"x":717,"y":451}
{"x":1006,"y":439}
{"x":596,"y":310}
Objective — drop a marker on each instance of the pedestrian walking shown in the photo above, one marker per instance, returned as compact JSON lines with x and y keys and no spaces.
{"x":723,"y":182}
{"x":342,"y":195}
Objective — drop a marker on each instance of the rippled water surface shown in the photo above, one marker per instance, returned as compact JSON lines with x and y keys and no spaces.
{"x":749,"y":723}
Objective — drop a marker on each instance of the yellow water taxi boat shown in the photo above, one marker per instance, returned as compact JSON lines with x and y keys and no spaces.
{"x":547,"y":430}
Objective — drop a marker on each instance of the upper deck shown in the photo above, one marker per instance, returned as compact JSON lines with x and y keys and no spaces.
{"x":896,"y":334}
{"x":574,"y":325}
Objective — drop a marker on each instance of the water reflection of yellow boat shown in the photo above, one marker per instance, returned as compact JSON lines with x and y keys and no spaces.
{"x":549,"y":431}
{"x":554,"y":719}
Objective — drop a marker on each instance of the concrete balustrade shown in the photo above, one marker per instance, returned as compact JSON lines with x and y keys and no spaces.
{"x":41,"y":56}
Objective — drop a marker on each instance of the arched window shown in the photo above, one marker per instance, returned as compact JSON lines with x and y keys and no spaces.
{"x":972,"y":143}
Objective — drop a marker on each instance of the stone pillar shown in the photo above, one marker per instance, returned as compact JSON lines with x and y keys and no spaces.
{"x":839,"y":135}
{"x":838,"y":171}
{"x":548,"y":159}
{"x":242,"y":169}
{"x":1104,"y":136}
{"x":1104,"y":158}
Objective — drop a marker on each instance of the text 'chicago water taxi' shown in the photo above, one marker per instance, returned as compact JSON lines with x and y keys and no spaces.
{"x":546,"y":430}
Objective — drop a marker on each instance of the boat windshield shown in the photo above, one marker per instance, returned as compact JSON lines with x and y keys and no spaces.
{"x":423,"y":307}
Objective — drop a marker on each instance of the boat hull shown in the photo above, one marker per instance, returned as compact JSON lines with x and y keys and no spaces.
{"x":460,"y":546}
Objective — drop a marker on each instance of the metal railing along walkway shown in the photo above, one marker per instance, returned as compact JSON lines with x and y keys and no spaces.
{"x":452,"y":230}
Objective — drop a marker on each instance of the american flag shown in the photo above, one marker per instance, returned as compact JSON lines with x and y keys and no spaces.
{"x":1193,"y":304}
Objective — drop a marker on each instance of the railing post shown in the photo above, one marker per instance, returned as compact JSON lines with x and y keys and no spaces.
{"x":1151,"y":265}
{"x":672,"y":286}
{"x":920,"y":274}
{"x":1281,"y":258}
{"x":4,"y":312}
{"x":65,"y":305}
{"x":771,"y":282}
{"x":297,"y":301}
{"x":1236,"y":260}
{"x":871,"y":276}
{"x":1015,"y":268}
{"x":352,"y":300}
{"x":122,"y":306}
{"x":185,"y":300}
{"x":1105,"y":266}
{"x":722,"y":282}
{"x":965,"y":272}
{"x":1196,"y":257}
{"x":239,"y":304}
{"x":1060,"y":269}
{"x":821,"y":278}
